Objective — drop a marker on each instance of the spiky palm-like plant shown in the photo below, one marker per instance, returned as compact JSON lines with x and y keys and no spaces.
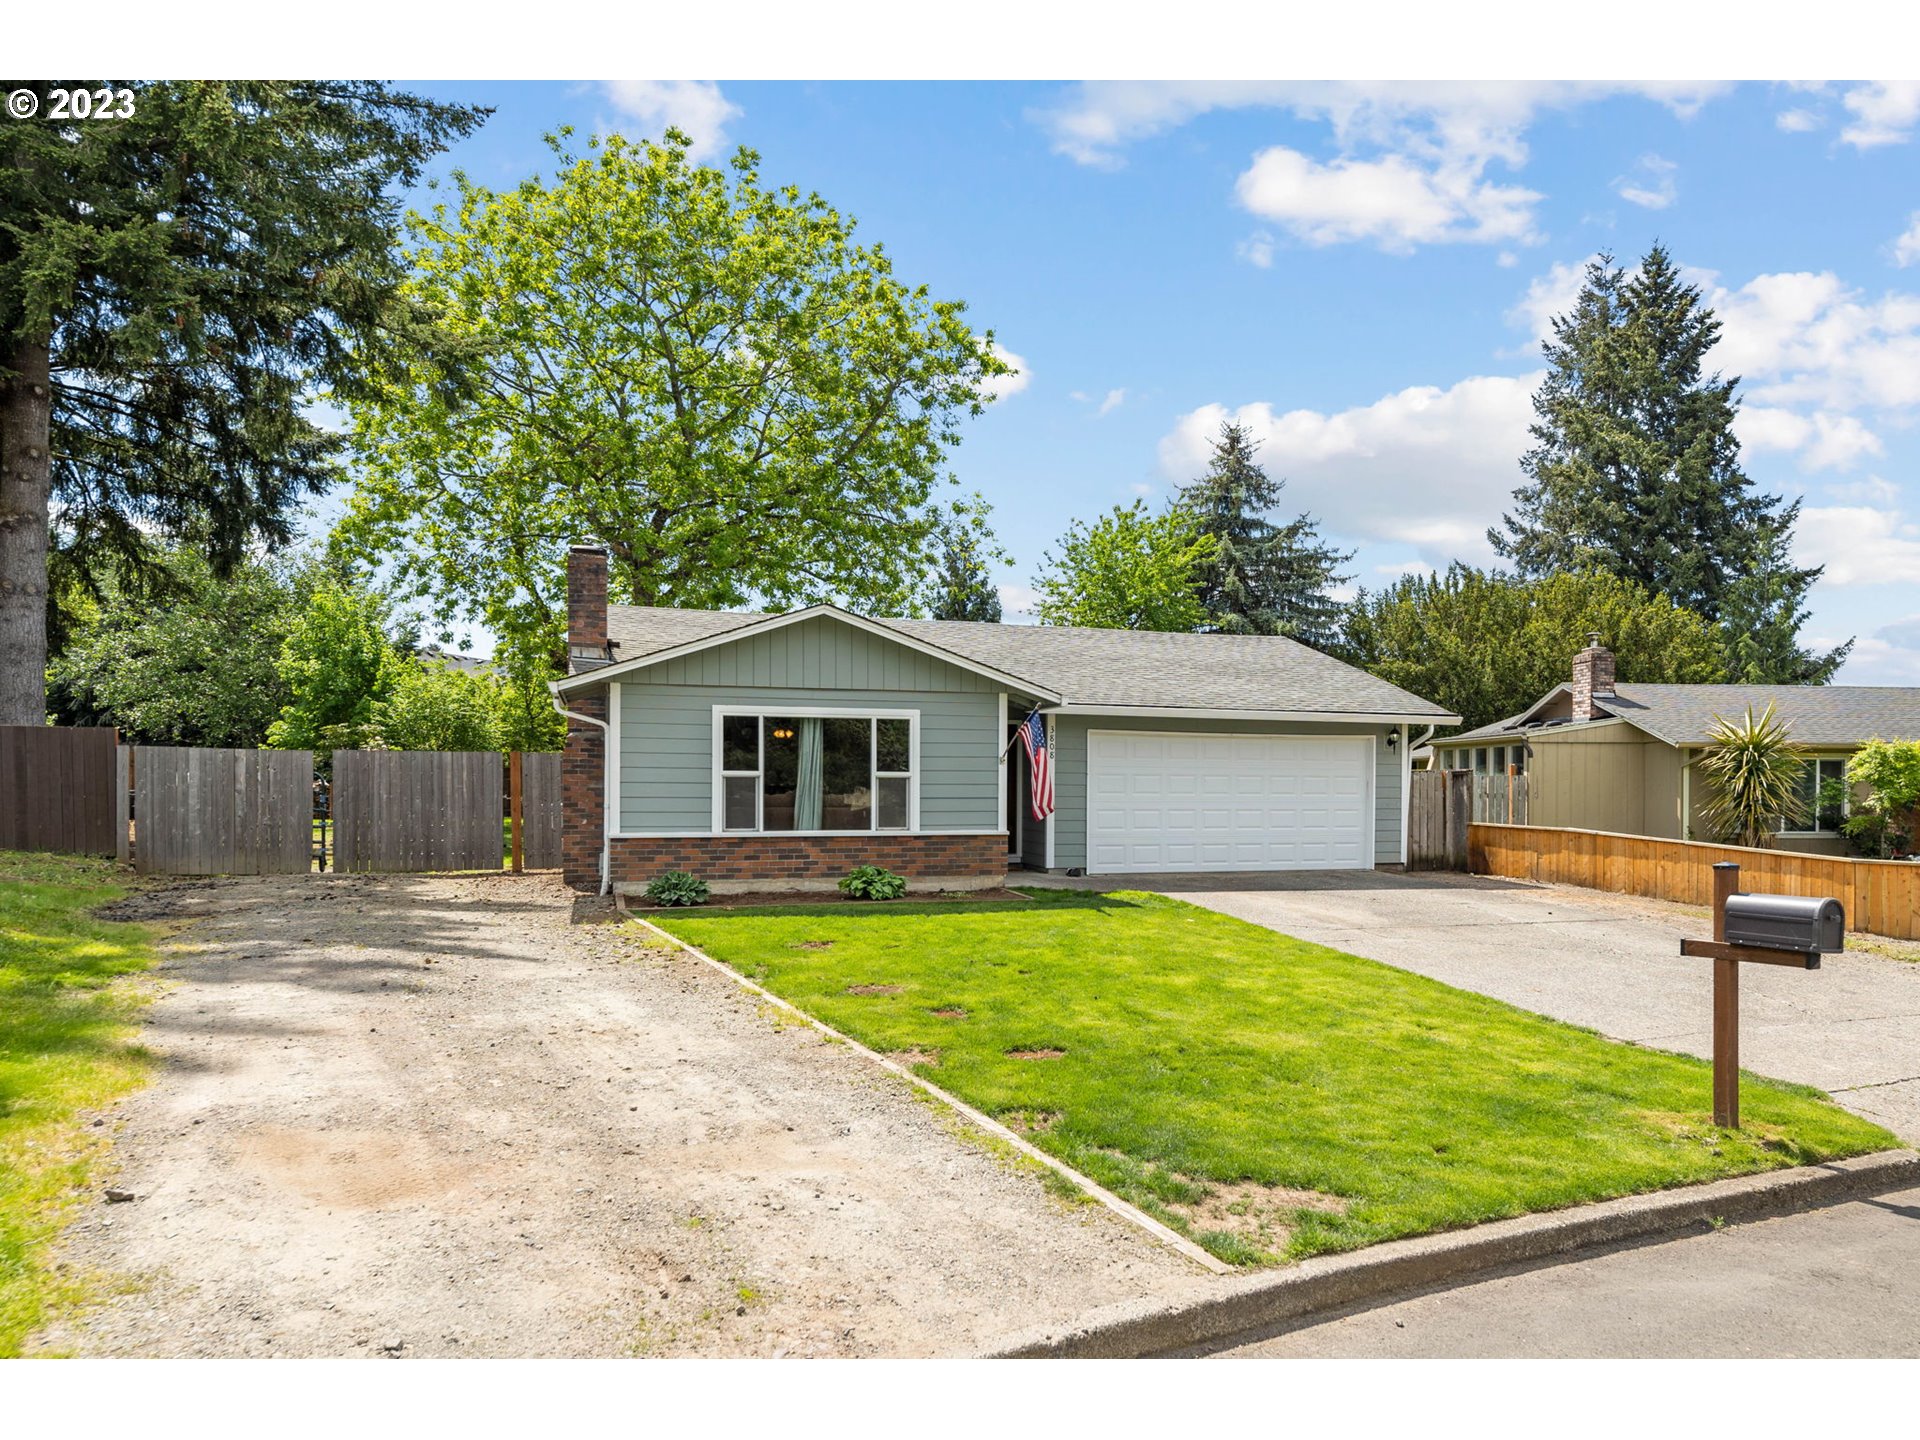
{"x":1756,"y":773}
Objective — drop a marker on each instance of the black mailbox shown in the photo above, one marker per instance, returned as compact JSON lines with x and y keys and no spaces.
{"x":1787,"y":922}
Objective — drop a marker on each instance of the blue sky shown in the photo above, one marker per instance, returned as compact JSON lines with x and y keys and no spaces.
{"x":1361,"y":273}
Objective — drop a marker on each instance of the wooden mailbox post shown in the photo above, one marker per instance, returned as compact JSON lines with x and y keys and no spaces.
{"x":1727,"y":959}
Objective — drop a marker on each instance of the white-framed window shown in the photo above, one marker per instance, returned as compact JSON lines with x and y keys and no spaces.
{"x":811,"y":771}
{"x":1823,"y":773}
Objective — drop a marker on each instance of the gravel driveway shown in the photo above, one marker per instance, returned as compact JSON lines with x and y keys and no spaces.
{"x":430,"y":1117}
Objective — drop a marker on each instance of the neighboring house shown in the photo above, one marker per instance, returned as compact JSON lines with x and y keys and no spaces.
{"x":450,"y":659}
{"x":1618,"y":756}
{"x":779,"y":751}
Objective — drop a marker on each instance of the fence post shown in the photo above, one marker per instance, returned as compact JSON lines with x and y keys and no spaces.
{"x":514,"y":781}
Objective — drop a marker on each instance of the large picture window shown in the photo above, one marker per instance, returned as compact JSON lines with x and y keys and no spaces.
{"x":815,"y":772}
{"x":1823,"y":796}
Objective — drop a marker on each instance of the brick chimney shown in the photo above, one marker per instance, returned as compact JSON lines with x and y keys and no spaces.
{"x":1592,"y":677}
{"x":586,"y":608}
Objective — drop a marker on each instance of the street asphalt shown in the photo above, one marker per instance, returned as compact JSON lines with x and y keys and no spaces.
{"x":1839,"y":1282}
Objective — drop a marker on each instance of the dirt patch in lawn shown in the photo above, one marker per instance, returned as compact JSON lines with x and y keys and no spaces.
{"x":1044,"y":1053}
{"x":948,"y":1012}
{"x":1031,"y":1122}
{"x":1263,"y":1216}
{"x":874,"y":989}
{"x":813,"y":945}
{"x":915,"y":1056}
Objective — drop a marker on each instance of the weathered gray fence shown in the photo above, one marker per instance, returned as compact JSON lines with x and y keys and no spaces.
{"x":1439,"y":809}
{"x":1500,"y":799}
{"x":540,"y":810}
{"x":400,"y":810}
{"x":57,"y":789}
{"x":222,"y":812}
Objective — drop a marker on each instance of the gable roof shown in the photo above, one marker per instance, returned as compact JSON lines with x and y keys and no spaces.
{"x":1075,"y":669}
{"x":1684,"y":714}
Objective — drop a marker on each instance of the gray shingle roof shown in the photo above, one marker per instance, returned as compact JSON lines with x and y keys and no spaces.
{"x":1684,"y":714}
{"x":1098,"y":667}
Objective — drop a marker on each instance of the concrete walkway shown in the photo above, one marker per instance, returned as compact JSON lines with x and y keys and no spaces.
{"x":1606,"y":961}
{"x":1835,"y":1282}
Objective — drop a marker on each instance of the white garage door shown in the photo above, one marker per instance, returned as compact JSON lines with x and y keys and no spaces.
{"x":1228,"y":802}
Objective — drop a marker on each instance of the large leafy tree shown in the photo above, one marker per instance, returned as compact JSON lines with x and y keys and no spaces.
{"x":429,"y":705}
{"x":707,"y":375}
{"x":1486,"y":646}
{"x":182,"y":656}
{"x":1263,"y":578}
{"x":174,"y":282}
{"x":1636,"y":470}
{"x":340,"y":662}
{"x":1128,"y":570}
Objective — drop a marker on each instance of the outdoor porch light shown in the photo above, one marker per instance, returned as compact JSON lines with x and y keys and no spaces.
{"x":1393,"y":739}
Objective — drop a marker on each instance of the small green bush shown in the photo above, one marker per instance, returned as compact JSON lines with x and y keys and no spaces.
{"x":873,"y":882}
{"x":677,"y":887}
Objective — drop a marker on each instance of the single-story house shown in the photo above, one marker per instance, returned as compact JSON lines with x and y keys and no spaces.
{"x":780,"y":751}
{"x":1602,"y":755}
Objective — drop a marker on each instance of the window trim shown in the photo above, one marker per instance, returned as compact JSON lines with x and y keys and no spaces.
{"x":1814,"y":832}
{"x":765,"y":711}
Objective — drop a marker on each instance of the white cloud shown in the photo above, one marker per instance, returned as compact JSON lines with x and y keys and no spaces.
{"x":695,"y":106}
{"x":1798,"y":122}
{"x":1883,"y":112}
{"x":1650,"y":183}
{"x":1871,"y":491}
{"x":1113,"y":401}
{"x":1858,"y":544}
{"x":1506,"y":260}
{"x":1806,"y":339}
{"x":1392,"y":201}
{"x":1890,"y":656}
{"x":1019,"y":600}
{"x":1423,"y":467}
{"x":1256,"y":249}
{"x":1412,"y":157}
{"x":1140,"y":487}
{"x":1822,"y":440}
{"x":1906,"y":249}
{"x":1000,"y":387}
{"x":1400,"y":572}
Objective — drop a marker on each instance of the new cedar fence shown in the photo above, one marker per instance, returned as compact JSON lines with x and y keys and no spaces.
{"x":221,"y":812}
{"x":412,"y":810}
{"x":57,"y":789}
{"x":1881,"y":896}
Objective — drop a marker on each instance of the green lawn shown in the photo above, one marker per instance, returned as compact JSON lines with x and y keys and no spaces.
{"x":1207,"y":1061}
{"x":66,"y":1032}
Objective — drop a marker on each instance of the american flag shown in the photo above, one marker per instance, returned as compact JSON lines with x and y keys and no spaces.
{"x":1033,"y":734}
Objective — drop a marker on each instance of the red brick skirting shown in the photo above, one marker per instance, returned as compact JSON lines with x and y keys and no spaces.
{"x":782,"y":860}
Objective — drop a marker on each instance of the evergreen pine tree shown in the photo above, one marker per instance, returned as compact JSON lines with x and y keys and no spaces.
{"x":1635,"y":470}
{"x":1264,"y":578}
{"x":962,"y":589}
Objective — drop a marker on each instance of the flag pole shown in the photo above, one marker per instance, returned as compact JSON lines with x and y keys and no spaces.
{"x":1007,"y":749}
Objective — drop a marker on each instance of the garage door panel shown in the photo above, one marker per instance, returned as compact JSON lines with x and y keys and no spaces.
{"x":1240,"y":802}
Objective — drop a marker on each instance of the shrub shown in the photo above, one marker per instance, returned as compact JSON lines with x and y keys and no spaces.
{"x":1754,"y":769}
{"x":677,"y":887}
{"x":873,"y":882}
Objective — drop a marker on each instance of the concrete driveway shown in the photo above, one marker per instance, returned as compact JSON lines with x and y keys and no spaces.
{"x":1609,"y":962}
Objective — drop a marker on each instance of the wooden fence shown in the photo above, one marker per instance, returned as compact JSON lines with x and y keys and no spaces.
{"x":1439,"y":809}
{"x":409,"y":810}
{"x":57,"y":789}
{"x":540,"y":810}
{"x":221,"y":812}
{"x":1880,"y":896}
{"x":1500,"y":799}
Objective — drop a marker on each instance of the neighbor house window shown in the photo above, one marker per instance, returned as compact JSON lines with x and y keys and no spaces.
{"x":1822,"y":789}
{"x":814,"y":772}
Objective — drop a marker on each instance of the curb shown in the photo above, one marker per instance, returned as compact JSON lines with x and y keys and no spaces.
{"x":1395,"y":1268}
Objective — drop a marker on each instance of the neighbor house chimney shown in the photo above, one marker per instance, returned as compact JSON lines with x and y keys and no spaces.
{"x":586,"y":608}
{"x":1592,"y":677}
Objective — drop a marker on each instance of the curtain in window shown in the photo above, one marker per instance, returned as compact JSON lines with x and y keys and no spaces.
{"x":810,"y":784}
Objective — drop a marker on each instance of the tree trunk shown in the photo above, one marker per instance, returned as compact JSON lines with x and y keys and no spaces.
{"x":26,"y":479}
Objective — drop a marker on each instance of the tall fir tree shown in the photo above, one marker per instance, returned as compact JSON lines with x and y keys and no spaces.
{"x":1264,"y":578}
{"x":1636,"y":471}
{"x":962,"y":587}
{"x":178,"y":274}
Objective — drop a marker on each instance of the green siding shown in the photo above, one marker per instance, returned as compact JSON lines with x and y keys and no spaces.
{"x":1070,"y":774}
{"x":666,"y":720}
